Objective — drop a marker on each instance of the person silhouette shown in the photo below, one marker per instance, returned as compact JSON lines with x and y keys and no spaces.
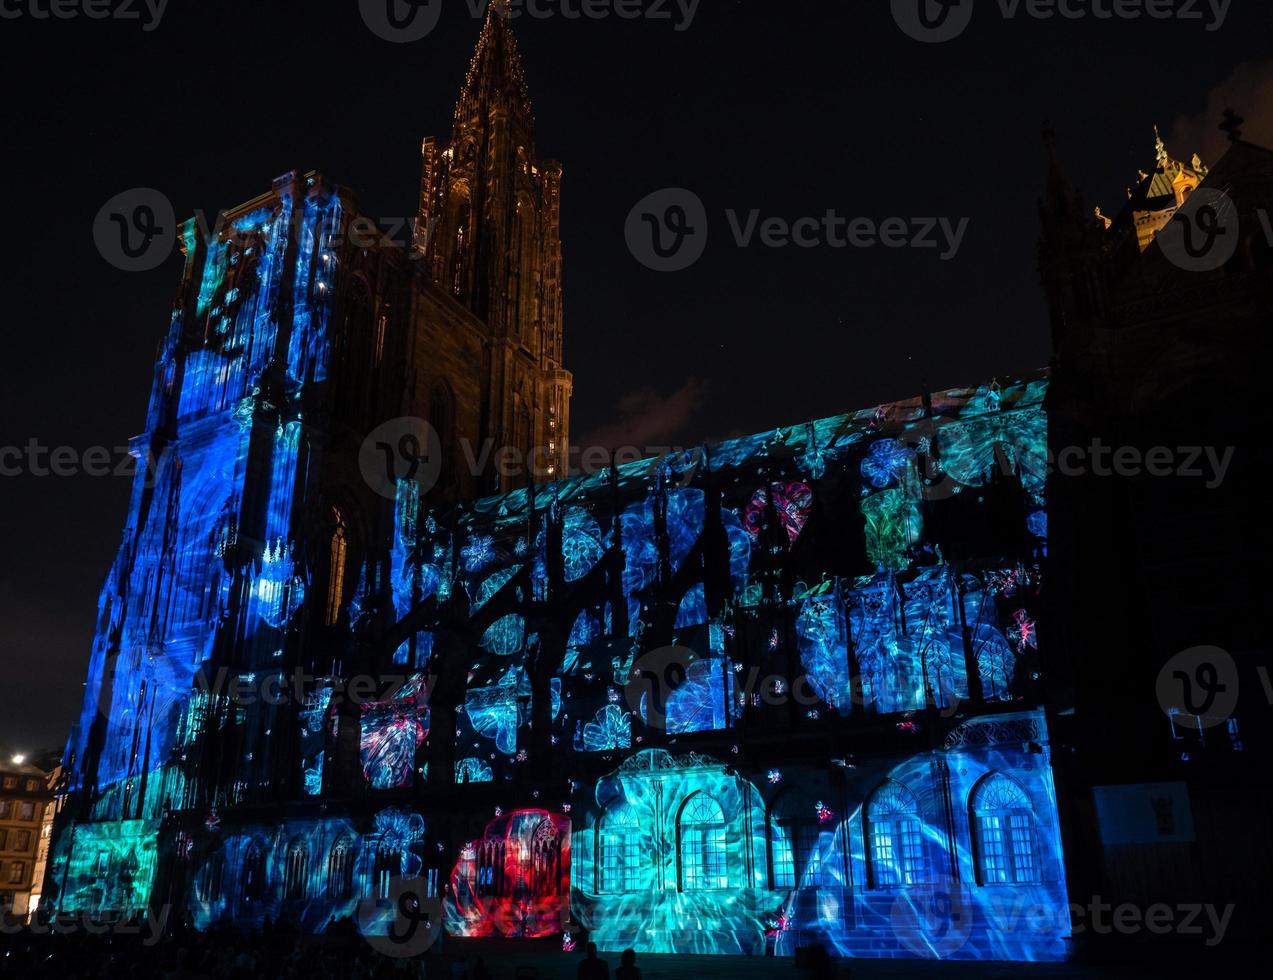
{"x":593,"y":968}
{"x":628,"y":970}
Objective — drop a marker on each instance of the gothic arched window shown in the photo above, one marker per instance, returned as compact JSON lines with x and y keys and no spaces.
{"x":253,"y":888}
{"x":1003,"y":832}
{"x":442,"y":418}
{"x":387,"y":867}
{"x":703,"y":849}
{"x":210,"y":881}
{"x":619,"y":847}
{"x":545,"y":869}
{"x":895,"y":838}
{"x":336,"y":576}
{"x":295,"y":870}
{"x":794,"y":843}
{"x":340,"y":869}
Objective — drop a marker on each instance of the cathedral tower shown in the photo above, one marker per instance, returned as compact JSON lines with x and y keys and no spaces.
{"x":489,"y":230}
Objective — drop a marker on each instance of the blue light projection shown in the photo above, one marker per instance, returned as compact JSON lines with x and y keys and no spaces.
{"x":184,"y":578}
{"x":610,"y":728}
{"x":743,"y":846}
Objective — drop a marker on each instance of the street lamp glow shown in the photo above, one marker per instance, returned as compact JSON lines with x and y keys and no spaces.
{"x":19,"y":759}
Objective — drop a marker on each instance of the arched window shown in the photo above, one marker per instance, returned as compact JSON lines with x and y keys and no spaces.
{"x":619,"y":845}
{"x":545,"y":869}
{"x":702,"y":831}
{"x":1004,"y":836}
{"x":468,"y":866}
{"x":442,"y":418}
{"x":895,"y":838}
{"x":295,"y":870}
{"x":336,"y":576}
{"x":340,"y":870}
{"x":210,"y":881}
{"x":388,"y":866}
{"x":490,"y":868}
{"x":794,"y":843}
{"x":253,"y":889}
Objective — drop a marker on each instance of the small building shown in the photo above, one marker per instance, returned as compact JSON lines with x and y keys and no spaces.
{"x":26,"y":809}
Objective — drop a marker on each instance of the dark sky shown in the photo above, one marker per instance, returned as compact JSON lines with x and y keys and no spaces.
{"x":792,"y":107}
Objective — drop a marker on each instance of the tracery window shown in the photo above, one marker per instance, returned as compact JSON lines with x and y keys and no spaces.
{"x":703,"y":848}
{"x":895,"y":838}
{"x":1004,"y":832}
{"x":619,"y":844}
{"x":253,"y":889}
{"x":336,"y":577}
{"x":340,"y":867}
{"x":296,"y":869}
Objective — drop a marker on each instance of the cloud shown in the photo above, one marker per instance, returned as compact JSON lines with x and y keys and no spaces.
{"x":1249,"y":92}
{"x":648,"y":419}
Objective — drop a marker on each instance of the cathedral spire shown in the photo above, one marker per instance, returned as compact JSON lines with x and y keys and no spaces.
{"x":495,"y":72}
{"x":489,"y":231}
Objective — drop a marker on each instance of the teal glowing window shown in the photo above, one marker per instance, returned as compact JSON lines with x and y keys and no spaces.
{"x":703,"y":848}
{"x":797,"y":857}
{"x":784,"y":862}
{"x":620,"y":853}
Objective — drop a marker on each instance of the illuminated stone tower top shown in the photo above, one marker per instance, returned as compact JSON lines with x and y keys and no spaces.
{"x":1160,"y":194}
{"x":490,"y":231}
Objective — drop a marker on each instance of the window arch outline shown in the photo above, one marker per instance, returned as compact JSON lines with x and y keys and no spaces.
{"x":618,"y":862}
{"x":295,"y":870}
{"x":252,"y":888}
{"x":794,"y":832}
{"x":1004,"y":828}
{"x":340,"y":869}
{"x":702,"y":844}
{"x":894,"y":831}
{"x":442,"y":418}
{"x":339,"y":559}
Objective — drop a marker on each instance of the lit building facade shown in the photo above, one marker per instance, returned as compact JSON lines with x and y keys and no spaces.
{"x":778,"y":691}
{"x":25,"y":804}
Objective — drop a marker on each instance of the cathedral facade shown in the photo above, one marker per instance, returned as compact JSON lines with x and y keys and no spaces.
{"x":781,"y":691}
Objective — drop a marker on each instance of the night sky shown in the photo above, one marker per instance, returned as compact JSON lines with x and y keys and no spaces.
{"x":792,"y":107}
